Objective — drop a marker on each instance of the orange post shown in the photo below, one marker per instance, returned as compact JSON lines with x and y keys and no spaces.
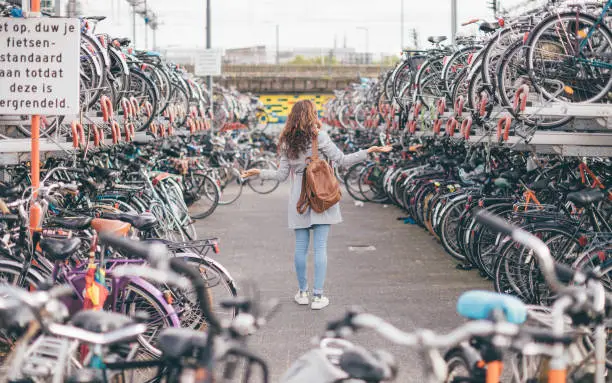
{"x":494,"y":371}
{"x":35,"y":209}
{"x":557,"y":376}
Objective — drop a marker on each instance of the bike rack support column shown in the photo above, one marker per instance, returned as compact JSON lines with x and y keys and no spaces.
{"x":35,"y":209}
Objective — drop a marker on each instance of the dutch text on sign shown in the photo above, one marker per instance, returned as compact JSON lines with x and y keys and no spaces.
{"x":39,"y":66}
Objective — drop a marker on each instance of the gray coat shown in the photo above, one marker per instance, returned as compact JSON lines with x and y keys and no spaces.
{"x":294,"y":169}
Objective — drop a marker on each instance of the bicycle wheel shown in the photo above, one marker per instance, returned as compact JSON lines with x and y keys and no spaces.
{"x":221,"y":287}
{"x":259,"y":185}
{"x":201,"y":195}
{"x":10,"y":273}
{"x":231,"y":185}
{"x":578,"y":67}
{"x":458,"y":365}
{"x":449,"y":223}
{"x":136,"y":298}
{"x":351,"y":181}
{"x":512,"y":74}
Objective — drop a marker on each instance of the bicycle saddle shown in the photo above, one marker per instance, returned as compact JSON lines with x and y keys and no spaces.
{"x":100,"y":321}
{"x":10,"y":191}
{"x":72,"y":223}
{"x":360,"y":364}
{"x":478,"y":304}
{"x":489,"y":27}
{"x":58,"y":249}
{"x":95,"y":18}
{"x":110,"y":226}
{"x":502,"y":183}
{"x":143,"y":222}
{"x":511,"y":175}
{"x":177,"y":342}
{"x":436,"y":39}
{"x":123,"y":41}
{"x":540,"y":185}
{"x":585,"y":197}
{"x":105,"y":172}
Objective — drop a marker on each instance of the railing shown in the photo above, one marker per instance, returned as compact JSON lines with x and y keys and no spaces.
{"x":321,"y":71}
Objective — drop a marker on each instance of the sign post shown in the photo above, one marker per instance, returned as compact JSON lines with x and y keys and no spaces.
{"x":208,"y":63}
{"x":39,"y":75}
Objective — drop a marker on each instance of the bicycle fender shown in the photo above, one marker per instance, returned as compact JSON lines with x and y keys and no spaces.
{"x":196,"y":258}
{"x":148,"y":287}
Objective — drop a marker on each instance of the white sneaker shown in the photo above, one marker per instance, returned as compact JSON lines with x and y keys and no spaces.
{"x":301,"y":298}
{"x":319,"y":302}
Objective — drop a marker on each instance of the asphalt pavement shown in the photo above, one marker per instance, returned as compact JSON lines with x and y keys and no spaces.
{"x":389,"y":268}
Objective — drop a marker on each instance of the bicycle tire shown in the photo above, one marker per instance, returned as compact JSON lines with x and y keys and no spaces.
{"x":262,"y":165}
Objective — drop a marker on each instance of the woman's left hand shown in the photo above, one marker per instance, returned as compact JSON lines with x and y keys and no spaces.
{"x":250,"y":173}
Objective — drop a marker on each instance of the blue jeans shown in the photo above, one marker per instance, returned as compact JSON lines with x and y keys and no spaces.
{"x":302,"y":240}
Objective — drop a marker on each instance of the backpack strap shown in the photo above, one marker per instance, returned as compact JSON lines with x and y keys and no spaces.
{"x":315,"y":146}
{"x":303,"y":203}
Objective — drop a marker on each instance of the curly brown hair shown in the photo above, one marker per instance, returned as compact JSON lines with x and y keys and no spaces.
{"x":301,"y":127}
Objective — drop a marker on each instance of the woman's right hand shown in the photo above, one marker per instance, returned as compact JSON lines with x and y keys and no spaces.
{"x":250,"y":173}
{"x":380,"y":149}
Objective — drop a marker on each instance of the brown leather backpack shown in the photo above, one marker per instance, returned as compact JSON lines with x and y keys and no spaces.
{"x":320,"y":188}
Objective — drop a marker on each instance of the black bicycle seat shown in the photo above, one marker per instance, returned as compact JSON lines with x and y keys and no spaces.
{"x":177,"y":342}
{"x":585,"y":197}
{"x":143,"y":222}
{"x":106,"y":173}
{"x":72,"y":223}
{"x":58,"y":249}
{"x":8,"y":191}
{"x":489,"y":27}
{"x":100,"y":321}
{"x":362,"y":365}
{"x":95,"y":18}
{"x":540,"y":185}
{"x":123,"y":41}
{"x":511,"y":175}
{"x":436,"y":39}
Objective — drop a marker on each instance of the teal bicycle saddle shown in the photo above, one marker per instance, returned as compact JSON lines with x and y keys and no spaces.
{"x":479,"y":304}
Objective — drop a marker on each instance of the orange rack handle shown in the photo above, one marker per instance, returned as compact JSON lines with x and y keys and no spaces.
{"x":503,"y":128}
{"x":466,"y":127}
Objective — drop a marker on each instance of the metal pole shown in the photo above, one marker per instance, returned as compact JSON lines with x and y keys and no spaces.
{"x":277,"y":45}
{"x":155,"y":39}
{"x":208,"y":46}
{"x":367,"y":45}
{"x":134,"y":25}
{"x":402,"y":26}
{"x":58,"y":8}
{"x":146,"y":25}
{"x":453,"y":20}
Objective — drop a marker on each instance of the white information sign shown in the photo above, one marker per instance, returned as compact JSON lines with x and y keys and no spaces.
{"x":39,"y":66}
{"x":208,"y":62}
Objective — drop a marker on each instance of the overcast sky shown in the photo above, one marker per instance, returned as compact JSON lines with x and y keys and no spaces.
{"x":302,"y":23}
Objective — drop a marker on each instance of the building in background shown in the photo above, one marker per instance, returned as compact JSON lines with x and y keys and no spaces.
{"x":261,"y":54}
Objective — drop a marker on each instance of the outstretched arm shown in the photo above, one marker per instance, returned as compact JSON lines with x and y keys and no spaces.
{"x":333,"y":153}
{"x":279,"y":174}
